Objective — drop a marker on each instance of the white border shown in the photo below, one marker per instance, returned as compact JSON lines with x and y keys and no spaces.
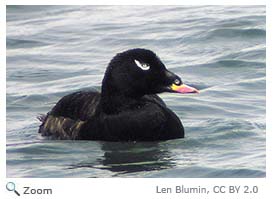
{"x":136,"y":2}
{"x":138,"y":188}
{"x":3,"y":92}
{"x":269,"y":94}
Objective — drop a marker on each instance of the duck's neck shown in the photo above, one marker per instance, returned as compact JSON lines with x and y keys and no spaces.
{"x":112,"y":101}
{"x":115,"y":104}
{"x":115,"y":98}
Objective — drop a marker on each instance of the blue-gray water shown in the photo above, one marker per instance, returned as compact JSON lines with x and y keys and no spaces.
{"x":56,"y":50}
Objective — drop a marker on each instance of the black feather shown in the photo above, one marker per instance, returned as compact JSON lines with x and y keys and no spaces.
{"x":127,"y":109}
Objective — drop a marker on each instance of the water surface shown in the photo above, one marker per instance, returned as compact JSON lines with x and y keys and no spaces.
{"x":55,"y":50}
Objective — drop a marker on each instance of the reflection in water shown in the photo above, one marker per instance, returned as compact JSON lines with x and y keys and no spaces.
{"x":130,"y":157}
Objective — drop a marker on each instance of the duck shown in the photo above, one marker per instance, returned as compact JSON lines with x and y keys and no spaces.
{"x":128,"y":107}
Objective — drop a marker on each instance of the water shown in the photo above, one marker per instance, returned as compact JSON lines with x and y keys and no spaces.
{"x":56,"y":50}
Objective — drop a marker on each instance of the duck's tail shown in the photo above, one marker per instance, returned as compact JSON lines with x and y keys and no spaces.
{"x":41,"y":117}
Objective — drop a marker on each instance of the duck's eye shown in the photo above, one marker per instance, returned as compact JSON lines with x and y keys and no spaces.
{"x":143,"y":66}
{"x":177,"y":82}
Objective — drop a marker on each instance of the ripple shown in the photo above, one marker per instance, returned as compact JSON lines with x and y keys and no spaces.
{"x":232,"y":33}
{"x":23,"y":43}
{"x":205,"y":172}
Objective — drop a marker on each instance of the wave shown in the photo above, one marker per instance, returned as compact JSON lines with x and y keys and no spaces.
{"x":23,"y":43}
{"x":257,"y":52}
{"x":229,"y":63}
{"x":237,"y":63}
{"x":205,"y":172}
{"x":242,"y":21}
{"x":232,"y":33}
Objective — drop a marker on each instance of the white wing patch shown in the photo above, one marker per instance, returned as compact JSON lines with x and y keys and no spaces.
{"x":143,"y":66}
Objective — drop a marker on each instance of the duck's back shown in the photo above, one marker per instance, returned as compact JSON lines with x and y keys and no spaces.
{"x":79,"y":106}
{"x":67,"y":116}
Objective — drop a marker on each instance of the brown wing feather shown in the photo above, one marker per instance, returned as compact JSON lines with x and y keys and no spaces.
{"x":69,"y":114}
{"x":61,"y":127}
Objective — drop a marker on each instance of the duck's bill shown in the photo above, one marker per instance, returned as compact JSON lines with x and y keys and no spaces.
{"x":183,"y":88}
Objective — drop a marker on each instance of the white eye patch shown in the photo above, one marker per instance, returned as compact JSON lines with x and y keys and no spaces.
{"x":143,"y":66}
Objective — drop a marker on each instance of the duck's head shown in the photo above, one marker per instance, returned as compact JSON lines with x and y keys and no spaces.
{"x":138,"y":72}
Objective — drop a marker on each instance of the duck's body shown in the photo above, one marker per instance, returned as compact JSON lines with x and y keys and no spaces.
{"x":127,"y":109}
{"x":79,"y":116}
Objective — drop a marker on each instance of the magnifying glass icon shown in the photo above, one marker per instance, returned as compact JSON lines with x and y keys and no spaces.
{"x":11,"y":187}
